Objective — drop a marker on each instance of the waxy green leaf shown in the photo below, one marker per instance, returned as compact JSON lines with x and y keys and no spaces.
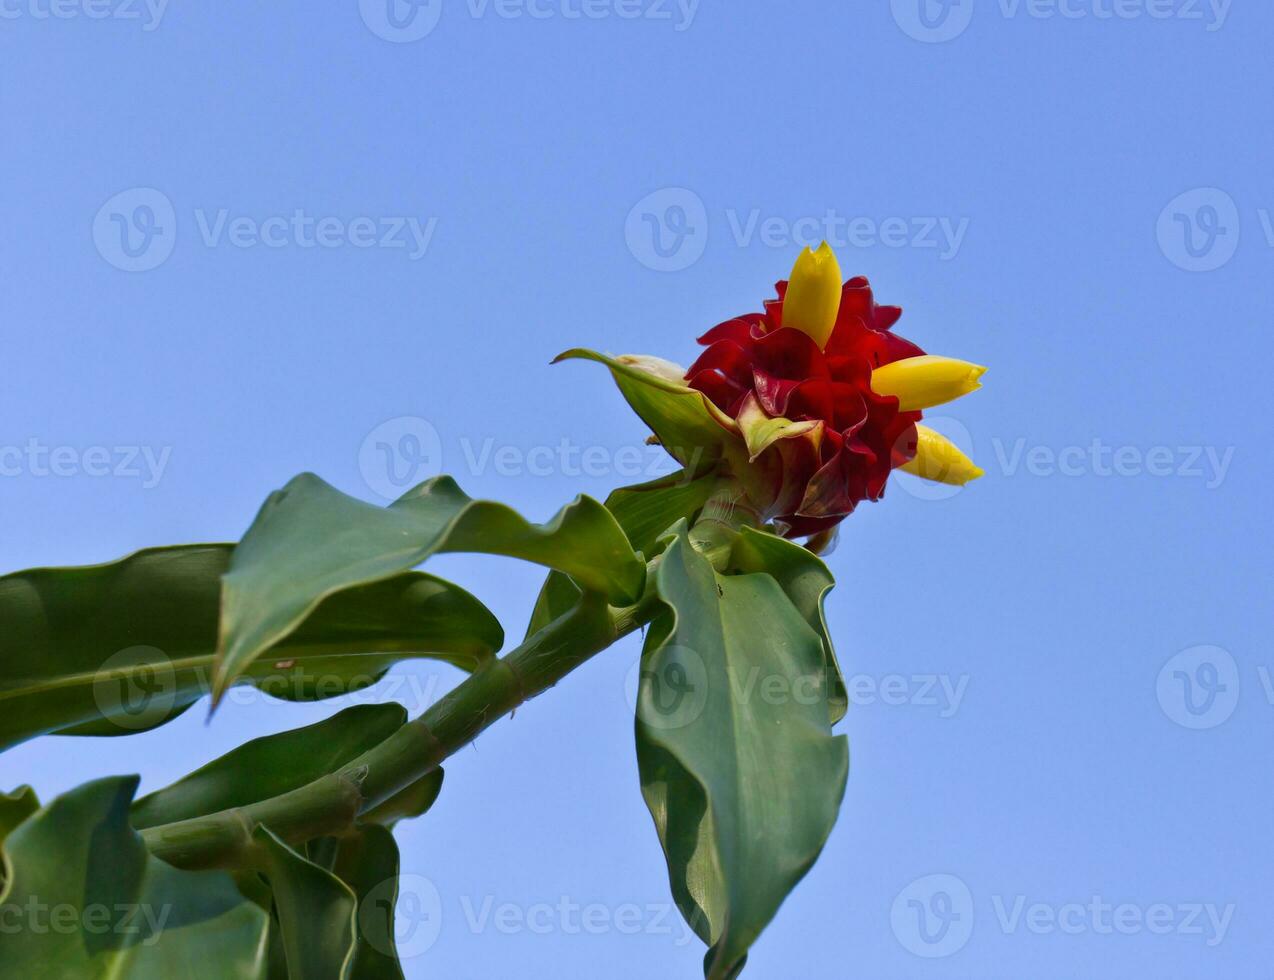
{"x":806,"y":580}
{"x":315,"y":911}
{"x":311,"y":541}
{"x":14,"y":808}
{"x":645,"y":511}
{"x":94,"y":905}
{"x":367,"y":861}
{"x":738,"y":764}
{"x":409,"y":803}
{"x":272,"y":765}
{"x":689,"y":426}
{"x":120,"y":648}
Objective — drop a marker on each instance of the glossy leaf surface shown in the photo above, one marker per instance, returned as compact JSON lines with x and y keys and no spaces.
{"x":645,"y":511}
{"x":806,"y":580}
{"x":738,"y":764}
{"x":311,"y":541}
{"x":120,"y":648}
{"x":272,"y":765}
{"x":94,"y":905}
{"x":315,"y":911}
{"x":690,"y":427}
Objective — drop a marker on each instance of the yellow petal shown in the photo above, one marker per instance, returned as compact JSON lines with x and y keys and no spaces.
{"x":925,"y":381}
{"x":938,"y":458}
{"x":813,"y":294}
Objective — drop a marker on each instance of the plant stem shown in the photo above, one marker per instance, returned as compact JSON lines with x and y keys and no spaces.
{"x":332,"y":803}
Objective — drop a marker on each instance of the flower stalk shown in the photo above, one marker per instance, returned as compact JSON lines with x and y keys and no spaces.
{"x":333,"y":803}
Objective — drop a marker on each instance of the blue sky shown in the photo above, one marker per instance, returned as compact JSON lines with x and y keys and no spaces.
{"x":363,"y":225}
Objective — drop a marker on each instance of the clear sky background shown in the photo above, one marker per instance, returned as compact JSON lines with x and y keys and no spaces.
{"x":1061,"y":674}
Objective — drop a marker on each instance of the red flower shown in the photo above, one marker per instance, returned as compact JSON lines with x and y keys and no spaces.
{"x":803,"y":411}
{"x":756,"y":370}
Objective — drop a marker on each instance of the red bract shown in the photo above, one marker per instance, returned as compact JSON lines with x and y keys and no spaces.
{"x":755,"y":368}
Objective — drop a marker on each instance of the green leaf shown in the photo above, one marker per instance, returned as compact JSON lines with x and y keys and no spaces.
{"x":95,"y":904}
{"x":315,"y":911}
{"x":310,"y":541}
{"x":806,"y":580}
{"x":273,"y":765}
{"x":120,"y":648}
{"x":14,"y":808}
{"x":367,"y":861}
{"x":738,"y":764}
{"x":558,"y":596}
{"x":644,"y":511}
{"x":409,"y":803}
{"x":762,"y":430}
{"x":689,"y":426}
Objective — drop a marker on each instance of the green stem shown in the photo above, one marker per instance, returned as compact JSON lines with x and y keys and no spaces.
{"x":332,"y":803}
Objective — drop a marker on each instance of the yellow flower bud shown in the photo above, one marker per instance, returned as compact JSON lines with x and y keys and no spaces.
{"x":925,"y":381}
{"x":938,"y":458}
{"x":813,"y":294}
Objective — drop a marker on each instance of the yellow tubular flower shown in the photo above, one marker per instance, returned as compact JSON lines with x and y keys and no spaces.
{"x":923,"y":382}
{"x":938,"y":458}
{"x":813,"y":294}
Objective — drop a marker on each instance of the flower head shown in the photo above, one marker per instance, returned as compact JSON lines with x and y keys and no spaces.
{"x":821,"y":383}
{"x":806,"y":407}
